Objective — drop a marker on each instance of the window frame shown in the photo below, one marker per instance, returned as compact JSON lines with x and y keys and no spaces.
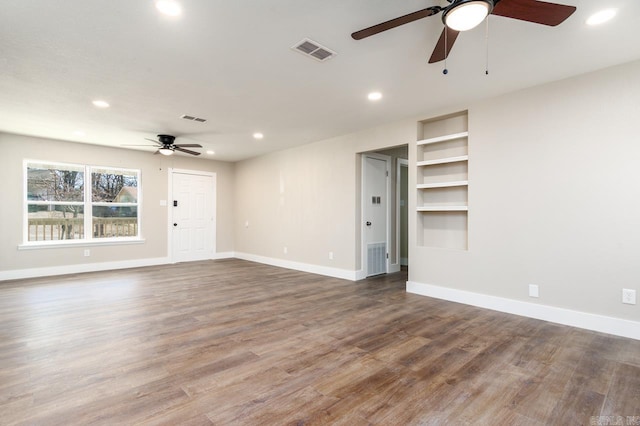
{"x":87,"y":204}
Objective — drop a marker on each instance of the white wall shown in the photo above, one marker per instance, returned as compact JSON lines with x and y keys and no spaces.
{"x":154,"y":178}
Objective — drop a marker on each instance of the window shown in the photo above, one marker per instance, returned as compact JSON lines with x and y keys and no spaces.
{"x":77,"y":203}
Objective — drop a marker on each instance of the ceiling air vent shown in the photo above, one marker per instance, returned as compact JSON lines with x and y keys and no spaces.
{"x":313,"y":49}
{"x":192,"y":118}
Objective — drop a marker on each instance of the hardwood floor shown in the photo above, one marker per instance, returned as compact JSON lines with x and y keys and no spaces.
{"x":233,"y":342}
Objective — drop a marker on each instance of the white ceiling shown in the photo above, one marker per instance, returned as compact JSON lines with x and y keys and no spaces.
{"x":230,"y":61}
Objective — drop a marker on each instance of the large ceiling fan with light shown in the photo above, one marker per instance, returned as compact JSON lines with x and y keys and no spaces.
{"x":463,"y":15}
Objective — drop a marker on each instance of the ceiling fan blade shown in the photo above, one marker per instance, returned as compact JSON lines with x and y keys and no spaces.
{"x":441,"y":51}
{"x":188,"y":145}
{"x":177,"y":148}
{"x":539,"y":12}
{"x":154,"y":141}
{"x":367,"y":32}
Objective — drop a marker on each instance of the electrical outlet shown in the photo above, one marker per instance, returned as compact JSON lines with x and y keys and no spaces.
{"x":285,"y":250}
{"x":533,"y":290}
{"x":87,"y":253}
{"x":628,"y":296}
{"x":330,"y":255}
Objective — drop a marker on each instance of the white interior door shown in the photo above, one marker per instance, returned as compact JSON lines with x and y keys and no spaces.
{"x":193,"y":216}
{"x":375,"y":214}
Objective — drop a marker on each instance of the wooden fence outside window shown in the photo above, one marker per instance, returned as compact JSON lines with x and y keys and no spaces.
{"x":54,"y":229}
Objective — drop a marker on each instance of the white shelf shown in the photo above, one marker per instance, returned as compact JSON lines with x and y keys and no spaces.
{"x":443,"y":208}
{"x":442,"y":184}
{"x":443,"y":138}
{"x":443,"y":161}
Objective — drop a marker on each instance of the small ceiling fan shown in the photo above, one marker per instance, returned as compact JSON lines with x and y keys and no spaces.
{"x":463,"y":15}
{"x":167,"y":146}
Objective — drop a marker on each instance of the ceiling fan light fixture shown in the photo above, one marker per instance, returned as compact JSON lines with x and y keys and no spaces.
{"x":165,"y":151}
{"x":465,"y":15}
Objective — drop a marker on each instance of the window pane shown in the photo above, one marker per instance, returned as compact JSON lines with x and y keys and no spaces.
{"x":55,"y":182}
{"x":112,"y":221}
{"x":53,"y":223}
{"x":114,"y":186}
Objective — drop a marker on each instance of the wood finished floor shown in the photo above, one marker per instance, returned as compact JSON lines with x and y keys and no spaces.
{"x":233,"y":342}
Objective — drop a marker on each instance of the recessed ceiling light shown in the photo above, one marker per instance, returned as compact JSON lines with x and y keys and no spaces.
{"x":169,"y":7}
{"x":100,"y":104}
{"x":258,"y":135}
{"x":601,"y":17}
{"x":210,"y":152}
{"x":374,"y":96}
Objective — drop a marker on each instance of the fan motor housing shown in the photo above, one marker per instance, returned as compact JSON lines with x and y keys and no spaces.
{"x":166,"y":139}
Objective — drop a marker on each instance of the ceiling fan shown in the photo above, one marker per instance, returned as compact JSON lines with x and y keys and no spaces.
{"x":463,"y":15}
{"x":167,"y":146}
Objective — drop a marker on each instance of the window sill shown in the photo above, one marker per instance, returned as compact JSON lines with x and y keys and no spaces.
{"x":70,"y":243}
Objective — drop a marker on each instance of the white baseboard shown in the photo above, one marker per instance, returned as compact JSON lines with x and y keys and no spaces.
{"x":394,"y":267}
{"x":594,"y":322}
{"x":304,"y":267}
{"x":17,"y":274}
{"x":223,"y":255}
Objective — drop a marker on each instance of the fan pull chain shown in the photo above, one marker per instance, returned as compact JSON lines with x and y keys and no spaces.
{"x":445,"y":71}
{"x":486,"y":71}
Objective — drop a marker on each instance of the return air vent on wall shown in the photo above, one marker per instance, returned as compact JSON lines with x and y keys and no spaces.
{"x":314,"y":50}
{"x":192,"y":118}
{"x":376,"y":258}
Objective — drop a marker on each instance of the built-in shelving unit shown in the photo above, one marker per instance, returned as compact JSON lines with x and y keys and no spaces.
{"x":442,"y":182}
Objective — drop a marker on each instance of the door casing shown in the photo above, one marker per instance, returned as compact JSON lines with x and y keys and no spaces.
{"x":363,"y":220}
{"x":401,"y":163}
{"x":170,"y":232}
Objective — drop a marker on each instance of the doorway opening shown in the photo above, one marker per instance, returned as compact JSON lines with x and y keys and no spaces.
{"x":384,"y":211}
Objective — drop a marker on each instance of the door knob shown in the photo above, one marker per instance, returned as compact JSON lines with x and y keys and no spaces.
{"x":368,"y":223}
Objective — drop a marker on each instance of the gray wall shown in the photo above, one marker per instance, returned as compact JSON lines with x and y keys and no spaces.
{"x":154,"y":180}
{"x":307,"y":199}
{"x":554,"y":198}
